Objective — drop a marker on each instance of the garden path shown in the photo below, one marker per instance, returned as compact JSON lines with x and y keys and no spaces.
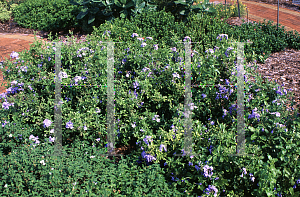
{"x":260,"y":11}
{"x":8,"y":44}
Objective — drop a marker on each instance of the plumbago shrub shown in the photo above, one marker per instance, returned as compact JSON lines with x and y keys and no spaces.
{"x":4,"y":13}
{"x":57,"y":179}
{"x":149,"y":107}
{"x":43,"y":69}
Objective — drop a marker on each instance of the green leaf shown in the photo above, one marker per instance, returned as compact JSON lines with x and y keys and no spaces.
{"x":91,"y":18}
{"x":184,"y":12}
{"x":251,"y":128}
{"x":253,"y":136}
{"x":281,"y":158}
{"x":269,"y":193}
{"x":82,"y":14}
{"x":128,"y":5}
{"x":291,"y":190}
{"x":122,"y":15}
{"x":86,"y":2}
{"x":117,"y":3}
{"x":94,"y":10}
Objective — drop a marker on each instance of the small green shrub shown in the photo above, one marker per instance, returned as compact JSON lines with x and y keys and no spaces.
{"x":46,"y":15}
{"x":267,"y":39}
{"x":159,"y":25}
{"x":293,"y":39}
{"x":4,"y":13}
{"x":13,"y":7}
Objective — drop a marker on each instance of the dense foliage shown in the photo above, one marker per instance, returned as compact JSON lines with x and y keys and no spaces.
{"x":6,"y":11}
{"x":46,"y":15}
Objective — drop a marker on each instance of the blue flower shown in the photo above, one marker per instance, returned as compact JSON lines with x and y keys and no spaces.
{"x":69,"y":125}
{"x":148,"y":157}
{"x":210,"y":189}
{"x":185,"y":38}
{"x":221,"y":36}
{"x":134,"y":34}
{"x":254,"y":114}
{"x":147,"y":139}
{"x":6,"y":105}
{"x":47,"y":123}
{"x":162,"y":147}
{"x":208,"y":171}
{"x":51,"y":139}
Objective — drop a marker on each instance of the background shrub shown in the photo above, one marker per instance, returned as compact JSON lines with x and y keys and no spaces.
{"x":158,"y":25}
{"x":46,"y":15}
{"x":4,"y":12}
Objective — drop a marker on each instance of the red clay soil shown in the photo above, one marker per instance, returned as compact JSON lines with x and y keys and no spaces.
{"x":260,"y":11}
{"x":7,"y":46}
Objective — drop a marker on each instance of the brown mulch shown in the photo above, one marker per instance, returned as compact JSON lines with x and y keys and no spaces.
{"x":282,"y":68}
{"x":238,"y":21}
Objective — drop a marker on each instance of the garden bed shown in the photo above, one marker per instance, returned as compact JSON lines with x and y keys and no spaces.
{"x":149,"y":109}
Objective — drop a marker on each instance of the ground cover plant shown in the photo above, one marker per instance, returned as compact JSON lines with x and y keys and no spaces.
{"x":149,"y":111}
